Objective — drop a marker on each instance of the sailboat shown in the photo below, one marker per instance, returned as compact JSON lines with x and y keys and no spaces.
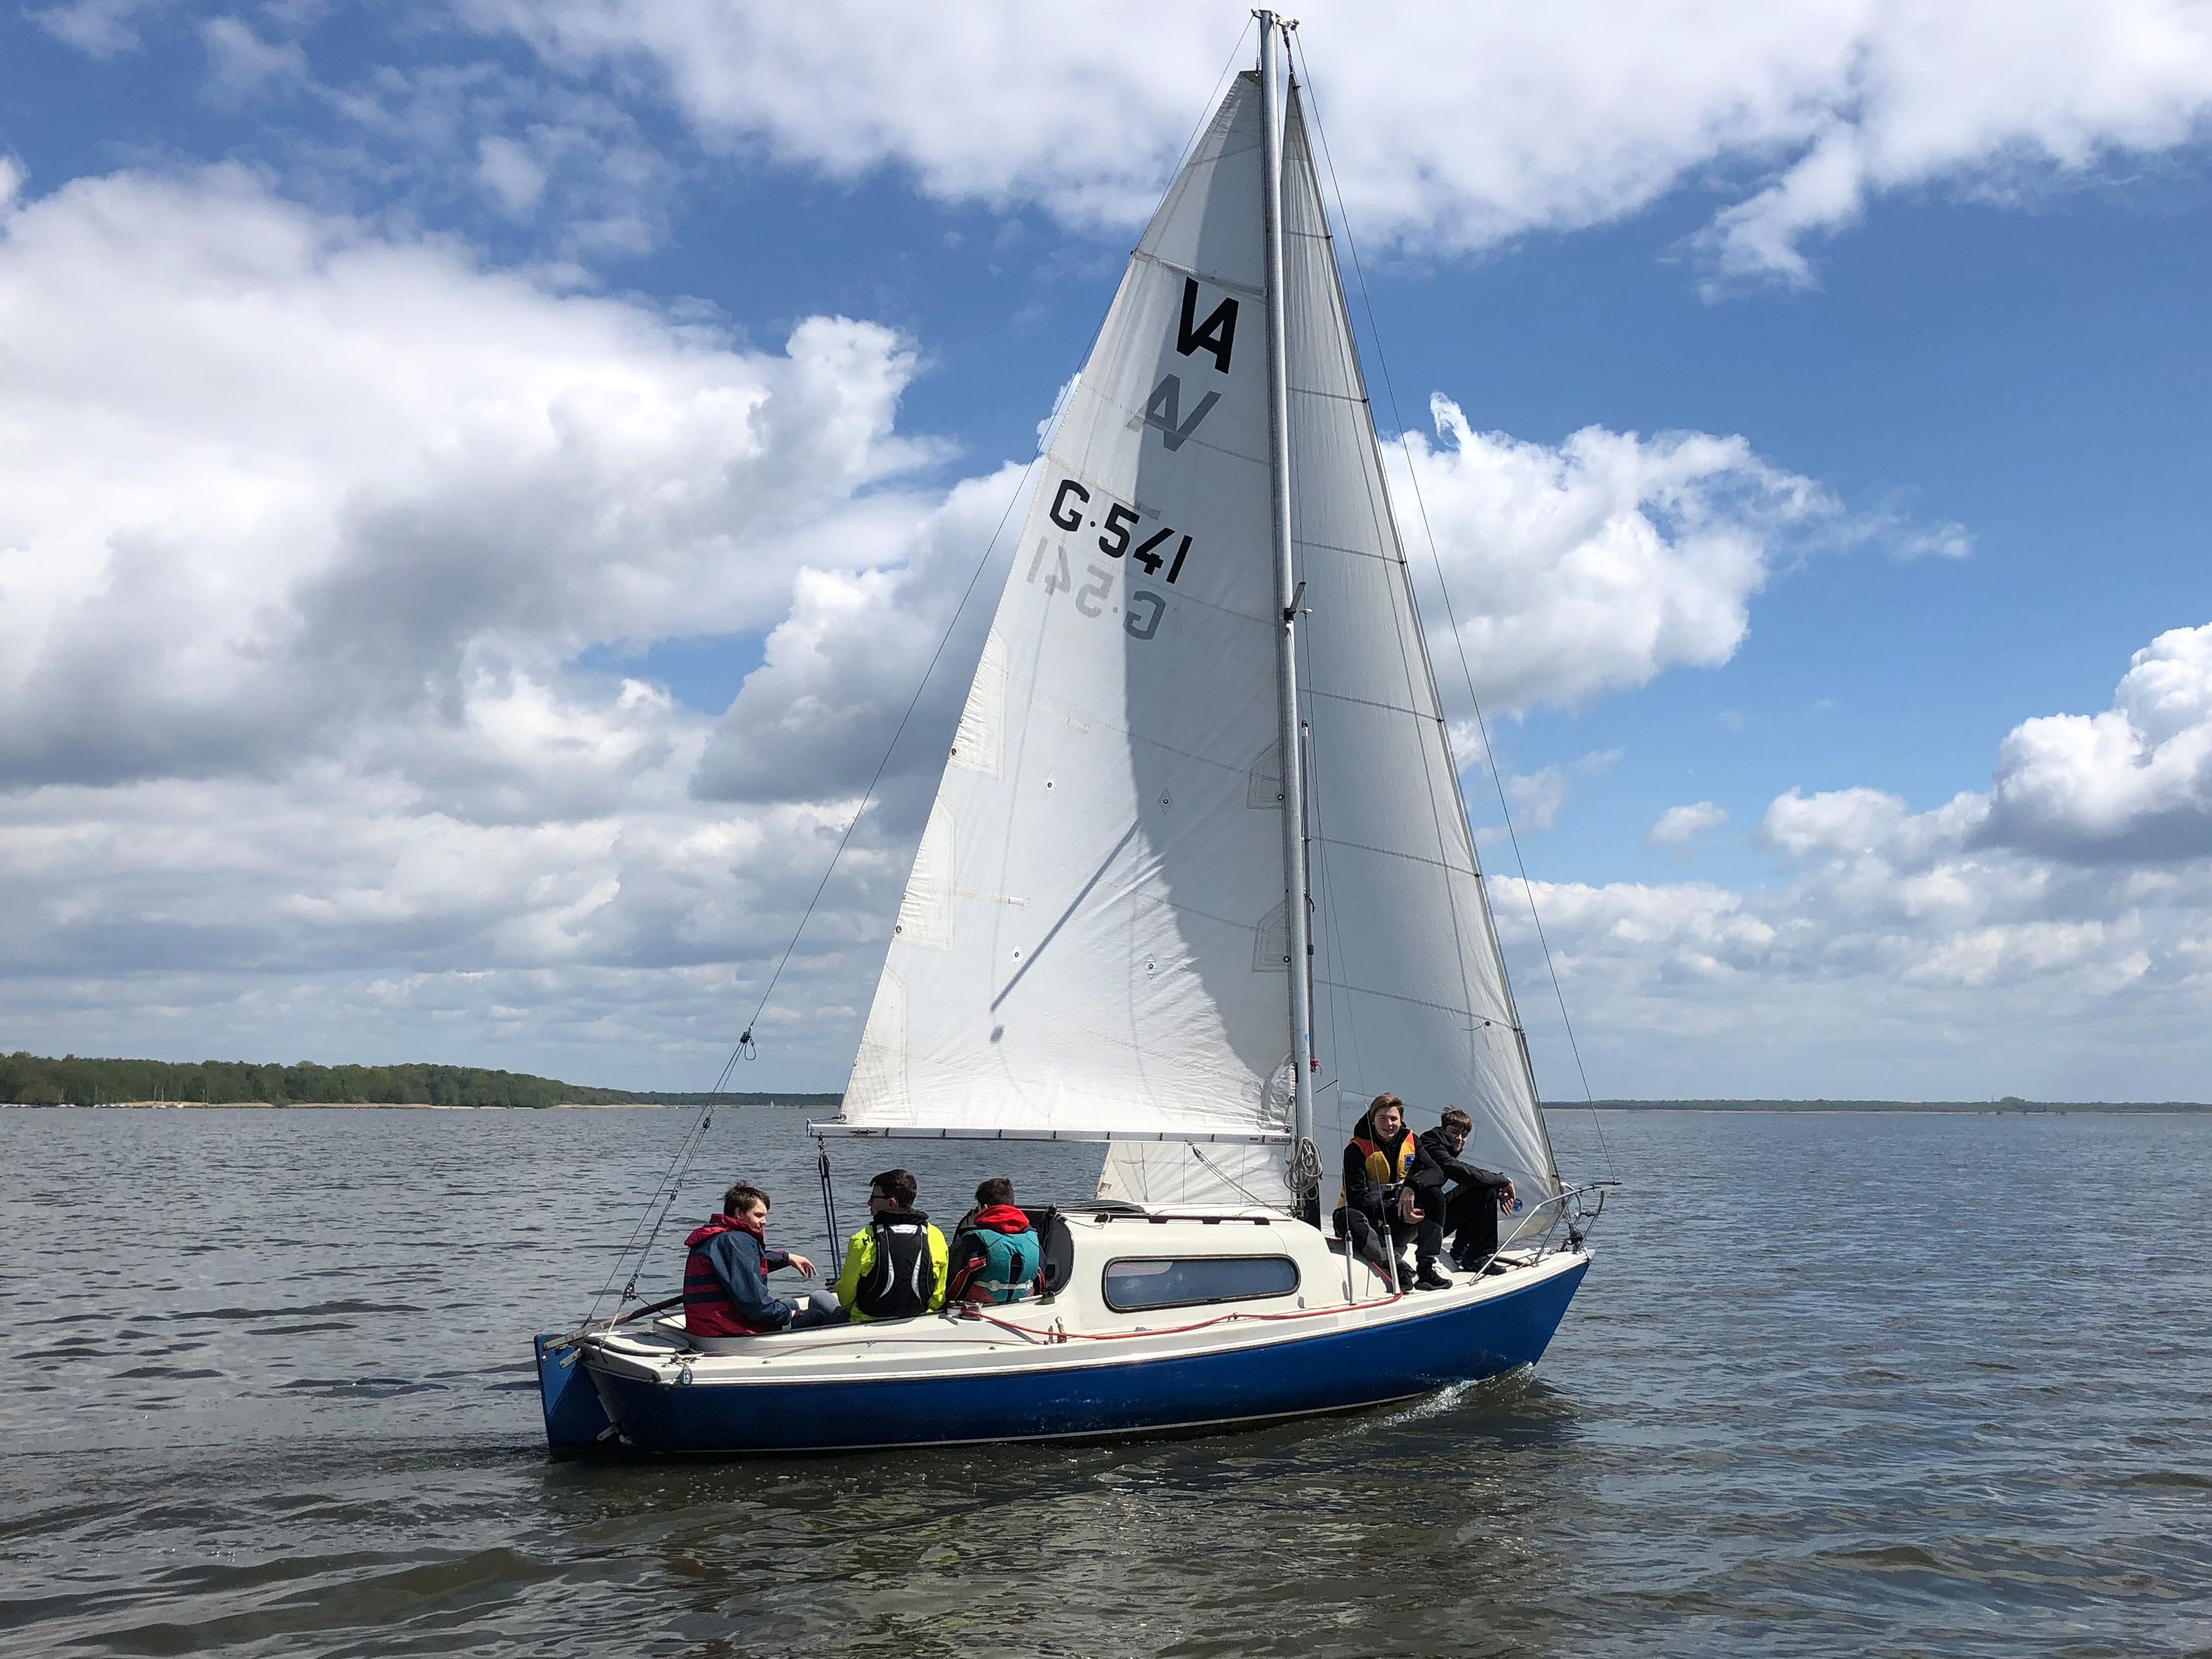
{"x":1197,"y":870}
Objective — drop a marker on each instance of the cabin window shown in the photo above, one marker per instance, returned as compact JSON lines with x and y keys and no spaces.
{"x":1136,"y":1283}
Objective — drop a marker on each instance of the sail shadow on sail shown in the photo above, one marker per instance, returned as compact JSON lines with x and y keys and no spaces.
{"x":1205,"y":674}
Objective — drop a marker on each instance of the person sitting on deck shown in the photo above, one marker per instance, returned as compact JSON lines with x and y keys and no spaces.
{"x":1378,"y":1210}
{"x":725,"y":1290}
{"x":995,"y":1254}
{"x":895,"y":1267}
{"x":1469,"y":1213}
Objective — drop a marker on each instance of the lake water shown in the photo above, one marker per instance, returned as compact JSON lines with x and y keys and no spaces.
{"x":1847,"y":1384}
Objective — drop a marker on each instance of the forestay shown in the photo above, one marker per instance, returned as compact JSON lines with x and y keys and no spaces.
{"x":1090,"y":940}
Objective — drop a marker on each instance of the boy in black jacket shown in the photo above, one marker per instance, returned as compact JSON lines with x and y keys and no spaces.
{"x":1469,"y":1213}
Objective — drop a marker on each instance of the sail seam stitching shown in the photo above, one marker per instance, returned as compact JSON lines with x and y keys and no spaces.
{"x":1421,"y":715}
{"x":1207,"y":277}
{"x":1236,"y":768}
{"x":1349,"y":552}
{"x":1392,"y":853}
{"x":1419,"y":1002}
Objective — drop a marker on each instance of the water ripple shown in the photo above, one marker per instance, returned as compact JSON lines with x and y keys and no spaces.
{"x":1799,"y":1409}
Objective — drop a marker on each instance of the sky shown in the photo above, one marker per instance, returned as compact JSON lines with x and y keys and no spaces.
{"x":481,"y":482}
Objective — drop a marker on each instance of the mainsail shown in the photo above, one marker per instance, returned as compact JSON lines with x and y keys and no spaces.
{"x":1093,"y":939}
{"x":1410,"y":994}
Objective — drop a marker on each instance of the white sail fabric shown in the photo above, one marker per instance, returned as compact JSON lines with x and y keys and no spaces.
{"x":1159,"y":1173}
{"x":1091,"y":938}
{"x":1410,"y":993}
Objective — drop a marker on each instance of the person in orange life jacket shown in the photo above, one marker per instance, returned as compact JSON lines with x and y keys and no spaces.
{"x":725,"y":1290}
{"x":1377,"y":1211}
{"x":995,"y":1254}
{"x":1469,"y":1212}
{"x":895,"y":1267}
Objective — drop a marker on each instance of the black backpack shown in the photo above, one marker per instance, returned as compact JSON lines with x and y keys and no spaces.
{"x":899,"y":1284}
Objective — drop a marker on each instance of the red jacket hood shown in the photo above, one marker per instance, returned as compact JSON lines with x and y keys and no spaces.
{"x":1001,"y":1219}
{"x":725,"y":1224}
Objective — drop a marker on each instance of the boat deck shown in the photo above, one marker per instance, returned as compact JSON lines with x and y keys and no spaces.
{"x":1078,"y":1326}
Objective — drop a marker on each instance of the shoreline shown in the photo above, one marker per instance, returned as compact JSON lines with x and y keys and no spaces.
{"x":324,"y":1106}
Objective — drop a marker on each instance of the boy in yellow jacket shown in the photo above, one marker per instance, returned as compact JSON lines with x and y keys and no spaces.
{"x":895,"y":1267}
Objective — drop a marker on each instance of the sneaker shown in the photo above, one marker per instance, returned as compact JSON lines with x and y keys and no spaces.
{"x":1431,"y":1280}
{"x":1406,"y":1276}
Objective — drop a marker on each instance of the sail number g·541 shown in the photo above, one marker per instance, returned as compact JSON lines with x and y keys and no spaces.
{"x":1068,"y":507}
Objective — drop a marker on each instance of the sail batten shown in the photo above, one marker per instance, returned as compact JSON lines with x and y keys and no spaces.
{"x":1211,"y":278}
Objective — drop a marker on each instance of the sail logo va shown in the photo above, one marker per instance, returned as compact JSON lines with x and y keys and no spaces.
{"x":1216,"y":335}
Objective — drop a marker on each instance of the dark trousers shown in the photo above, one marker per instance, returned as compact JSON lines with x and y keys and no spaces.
{"x":1471,"y":1216}
{"x":1429,"y":1236}
{"x":1378,"y":1247}
{"x":814,"y":1314}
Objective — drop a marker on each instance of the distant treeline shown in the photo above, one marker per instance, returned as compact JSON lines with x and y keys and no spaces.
{"x":35,"y":1080}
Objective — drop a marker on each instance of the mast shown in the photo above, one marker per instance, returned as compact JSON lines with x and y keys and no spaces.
{"x":1296,"y":922}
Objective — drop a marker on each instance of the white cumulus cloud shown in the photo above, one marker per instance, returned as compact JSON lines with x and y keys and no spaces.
{"x":841,"y":669}
{"x":2132,"y":783}
{"x":1677,"y":825}
{"x":275,"y":485}
{"x":302,"y":529}
{"x":97,"y":29}
{"x":1594,"y":566}
{"x":1454,"y":126}
{"x":2050,"y":937}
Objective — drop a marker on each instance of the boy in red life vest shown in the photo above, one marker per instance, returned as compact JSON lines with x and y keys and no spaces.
{"x":995,"y":1256}
{"x":725,"y":1290}
{"x":1378,"y":1212}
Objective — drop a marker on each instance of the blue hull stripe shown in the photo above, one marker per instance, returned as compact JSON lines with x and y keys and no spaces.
{"x":1339,"y":1370}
